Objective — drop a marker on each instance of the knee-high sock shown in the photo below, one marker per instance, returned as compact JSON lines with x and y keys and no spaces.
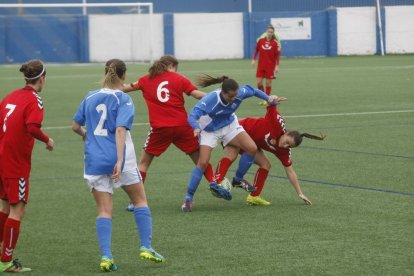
{"x":104,"y":232}
{"x":3,"y":218}
{"x":143,"y":220}
{"x":245,"y":163}
{"x":261,"y":87}
{"x":222,"y":169}
{"x":259,"y":181}
{"x":208,"y":173}
{"x":195,"y":179}
{"x":268,"y":90}
{"x":10,"y":236}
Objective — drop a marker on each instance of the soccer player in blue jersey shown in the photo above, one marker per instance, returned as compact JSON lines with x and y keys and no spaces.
{"x":213,"y":119}
{"x":110,"y":160}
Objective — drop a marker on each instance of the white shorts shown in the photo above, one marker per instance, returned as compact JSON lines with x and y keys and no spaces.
{"x":225,"y":134}
{"x":104,"y":182}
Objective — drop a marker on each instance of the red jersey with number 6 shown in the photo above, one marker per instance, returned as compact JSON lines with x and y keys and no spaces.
{"x":164,"y":95}
{"x":17,"y":110}
{"x":266,"y":133}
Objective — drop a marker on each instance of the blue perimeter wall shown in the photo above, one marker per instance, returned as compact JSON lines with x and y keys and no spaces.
{"x":324,"y":33}
{"x":194,"y":6}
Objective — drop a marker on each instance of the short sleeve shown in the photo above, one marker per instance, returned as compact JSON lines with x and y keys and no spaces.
{"x":79,"y":116}
{"x":126,"y":111}
{"x":34,"y":111}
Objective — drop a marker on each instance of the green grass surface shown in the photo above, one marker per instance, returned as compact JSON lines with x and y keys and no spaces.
{"x":360,"y":180}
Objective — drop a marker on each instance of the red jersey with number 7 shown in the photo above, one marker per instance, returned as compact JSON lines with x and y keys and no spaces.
{"x":17,"y":110}
{"x":164,"y":95}
{"x":266,"y":133}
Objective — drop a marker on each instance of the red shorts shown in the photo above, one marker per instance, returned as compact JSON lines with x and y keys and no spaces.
{"x":14,"y":190}
{"x":159,"y":139}
{"x":266,"y":73}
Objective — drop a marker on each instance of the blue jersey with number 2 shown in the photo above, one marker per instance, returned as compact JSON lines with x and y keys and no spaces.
{"x":102,"y":111}
{"x":211,"y":113}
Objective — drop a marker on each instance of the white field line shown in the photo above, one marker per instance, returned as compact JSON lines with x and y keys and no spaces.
{"x":239,"y":71}
{"x":292,"y":116}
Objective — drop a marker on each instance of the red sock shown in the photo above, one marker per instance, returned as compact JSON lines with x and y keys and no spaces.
{"x":10,"y":236}
{"x":268,"y":90}
{"x":143,"y":175}
{"x":3,"y":218}
{"x":222,"y":168}
{"x":259,"y":180}
{"x":208,"y":173}
{"x":261,"y":87}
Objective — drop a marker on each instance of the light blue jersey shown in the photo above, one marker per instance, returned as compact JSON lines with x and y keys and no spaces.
{"x":211,"y":113}
{"x":102,"y":111}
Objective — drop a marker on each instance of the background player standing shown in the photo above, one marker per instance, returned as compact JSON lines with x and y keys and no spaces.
{"x":268,"y":49}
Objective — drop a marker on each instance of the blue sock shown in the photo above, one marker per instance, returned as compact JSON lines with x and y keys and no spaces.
{"x":143,"y":220}
{"x":244,"y":165}
{"x":104,"y":229}
{"x":195,"y":179}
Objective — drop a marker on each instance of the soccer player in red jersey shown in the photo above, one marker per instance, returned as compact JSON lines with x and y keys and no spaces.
{"x":270,"y":134}
{"x":21,"y":116}
{"x":268,"y":49}
{"x":163,"y":90}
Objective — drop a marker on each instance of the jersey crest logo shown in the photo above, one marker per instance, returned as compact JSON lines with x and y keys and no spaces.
{"x":266,"y":47}
{"x":234,"y":106}
{"x":39,"y":100}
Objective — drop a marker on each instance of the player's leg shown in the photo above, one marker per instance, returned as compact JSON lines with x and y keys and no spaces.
{"x":259,"y":179}
{"x":184,"y":140}
{"x":268,"y":86}
{"x":142,"y":215}
{"x":157,"y":142}
{"x":259,"y":82}
{"x":5,"y":208}
{"x":249,"y":148}
{"x":103,"y":224}
{"x":144,"y":163}
{"x":197,"y":173}
{"x":225,"y":162}
{"x":17,"y":193}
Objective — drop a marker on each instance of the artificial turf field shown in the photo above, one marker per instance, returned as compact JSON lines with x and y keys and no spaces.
{"x":360,"y":180}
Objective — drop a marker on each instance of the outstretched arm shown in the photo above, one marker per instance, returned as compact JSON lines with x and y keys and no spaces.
{"x":291,"y":174}
{"x":130,"y":87}
{"x":197,"y":94}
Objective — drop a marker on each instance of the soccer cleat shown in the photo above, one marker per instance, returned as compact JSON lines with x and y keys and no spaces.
{"x":150,"y":254}
{"x":220,"y":192}
{"x":244,"y":185}
{"x":130,"y":207}
{"x":107,"y":265}
{"x":187,"y":205}
{"x":256,"y":200}
{"x":13,"y":267}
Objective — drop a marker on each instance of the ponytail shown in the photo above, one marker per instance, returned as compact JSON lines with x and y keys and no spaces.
{"x":114,"y":71}
{"x":228,"y":84}
{"x":298,"y":137}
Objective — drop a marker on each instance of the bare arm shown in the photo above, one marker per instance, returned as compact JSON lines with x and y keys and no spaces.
{"x":120,"y":137}
{"x":78,"y":129}
{"x":197,"y":94}
{"x":130,"y":87}
{"x":291,"y":174}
